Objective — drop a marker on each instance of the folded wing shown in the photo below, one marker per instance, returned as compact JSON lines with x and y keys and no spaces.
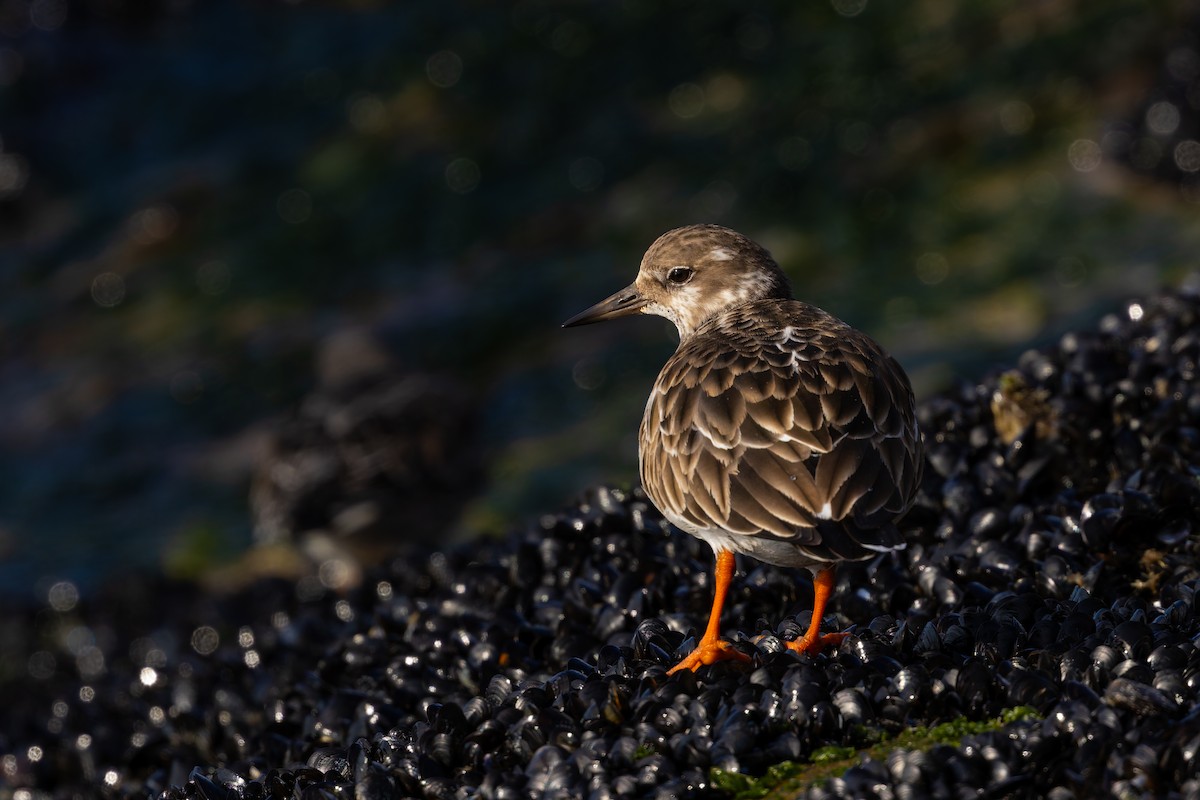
{"x":805,"y":434}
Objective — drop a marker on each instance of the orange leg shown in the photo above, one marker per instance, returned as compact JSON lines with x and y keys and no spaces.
{"x":813,"y":641}
{"x":711,"y":647}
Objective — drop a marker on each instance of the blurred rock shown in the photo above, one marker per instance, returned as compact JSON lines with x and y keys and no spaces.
{"x":373,"y":459}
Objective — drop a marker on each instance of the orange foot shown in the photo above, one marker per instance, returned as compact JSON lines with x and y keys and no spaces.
{"x":814,"y":644}
{"x":709,"y":651}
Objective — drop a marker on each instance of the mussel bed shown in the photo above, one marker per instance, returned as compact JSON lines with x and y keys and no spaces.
{"x":1053,"y":563}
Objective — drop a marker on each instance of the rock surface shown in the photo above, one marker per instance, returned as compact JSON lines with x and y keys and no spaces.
{"x":1053,"y":563}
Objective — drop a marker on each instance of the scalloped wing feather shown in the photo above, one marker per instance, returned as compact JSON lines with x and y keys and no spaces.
{"x":762,"y":434}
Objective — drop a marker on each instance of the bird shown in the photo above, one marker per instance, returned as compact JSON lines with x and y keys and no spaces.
{"x":775,"y":430}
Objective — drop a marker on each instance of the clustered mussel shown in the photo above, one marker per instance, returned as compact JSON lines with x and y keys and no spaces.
{"x":1053,"y":564}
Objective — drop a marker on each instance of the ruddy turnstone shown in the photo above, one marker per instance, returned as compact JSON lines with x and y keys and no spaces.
{"x":775,"y":430}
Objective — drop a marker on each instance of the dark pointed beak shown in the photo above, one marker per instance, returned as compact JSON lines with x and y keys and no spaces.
{"x":622,"y":304}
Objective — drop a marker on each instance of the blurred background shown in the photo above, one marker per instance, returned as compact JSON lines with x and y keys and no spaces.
{"x":296,"y":239}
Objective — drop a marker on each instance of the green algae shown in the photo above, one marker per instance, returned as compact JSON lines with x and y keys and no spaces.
{"x":789,"y":778}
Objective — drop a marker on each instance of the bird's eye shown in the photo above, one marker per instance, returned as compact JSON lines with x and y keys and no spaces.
{"x":679,"y":275}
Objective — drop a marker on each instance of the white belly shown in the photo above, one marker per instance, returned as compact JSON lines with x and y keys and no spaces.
{"x":772,"y":551}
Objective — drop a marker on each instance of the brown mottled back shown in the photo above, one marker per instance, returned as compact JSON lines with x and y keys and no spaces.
{"x":775,"y":419}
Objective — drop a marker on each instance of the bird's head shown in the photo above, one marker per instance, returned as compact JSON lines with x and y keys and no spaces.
{"x":691,"y":274}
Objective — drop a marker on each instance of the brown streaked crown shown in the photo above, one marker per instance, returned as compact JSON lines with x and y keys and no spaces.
{"x":690,"y":274}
